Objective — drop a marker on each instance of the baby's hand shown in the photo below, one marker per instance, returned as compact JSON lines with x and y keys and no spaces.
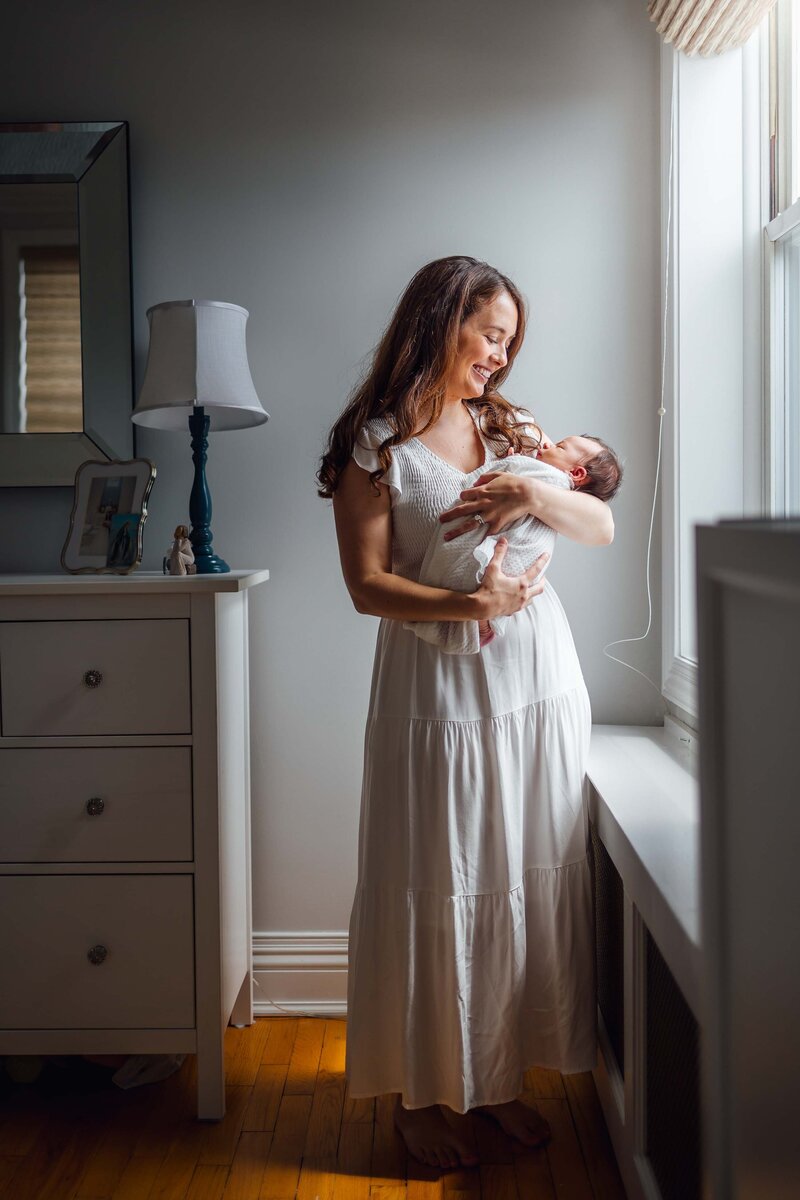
{"x":485,"y":632}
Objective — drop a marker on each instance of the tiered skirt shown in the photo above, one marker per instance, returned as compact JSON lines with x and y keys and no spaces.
{"x":471,"y":948}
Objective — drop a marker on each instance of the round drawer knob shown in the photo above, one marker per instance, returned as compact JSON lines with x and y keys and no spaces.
{"x":95,"y":806}
{"x":97,"y":955}
{"x":93,"y":679}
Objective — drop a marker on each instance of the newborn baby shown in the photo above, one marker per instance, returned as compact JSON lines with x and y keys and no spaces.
{"x":584,"y":463}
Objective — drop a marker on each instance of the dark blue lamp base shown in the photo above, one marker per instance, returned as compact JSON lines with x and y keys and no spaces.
{"x":206,"y":561}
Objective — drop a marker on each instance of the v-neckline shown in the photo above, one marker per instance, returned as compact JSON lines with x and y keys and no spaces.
{"x":476,"y":422}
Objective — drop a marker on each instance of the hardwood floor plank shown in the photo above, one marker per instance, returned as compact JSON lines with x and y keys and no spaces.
{"x":104,"y":1169}
{"x":498,"y":1182}
{"x":534,"y":1180}
{"x":246,"y":1061}
{"x":175,"y":1171}
{"x":21,"y":1120}
{"x":265,"y":1098}
{"x":283,"y":1164}
{"x":208,"y":1182}
{"x":353,"y":1159}
{"x":247,"y":1169}
{"x":280,"y":1043}
{"x":233,"y":1038}
{"x":304,"y":1062}
{"x":358,"y":1112}
{"x":137,"y":1179}
{"x":221,"y":1137}
{"x":332,"y":1056}
{"x":53,"y":1169}
{"x":383,"y":1191}
{"x":322,"y":1135}
{"x":541,"y":1081}
{"x":595,"y":1142}
{"x":567,"y":1167}
{"x":170,"y":1103}
{"x":8,"y":1169}
{"x":425,"y":1183}
{"x":388,"y":1167}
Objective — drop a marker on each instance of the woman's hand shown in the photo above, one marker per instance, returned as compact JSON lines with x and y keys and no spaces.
{"x":499,"y":497}
{"x":499,"y":594}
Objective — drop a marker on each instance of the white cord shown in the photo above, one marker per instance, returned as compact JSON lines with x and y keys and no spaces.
{"x":290,"y":1012}
{"x":661,"y":409}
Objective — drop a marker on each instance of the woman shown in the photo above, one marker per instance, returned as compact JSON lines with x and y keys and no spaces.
{"x":471,"y":937}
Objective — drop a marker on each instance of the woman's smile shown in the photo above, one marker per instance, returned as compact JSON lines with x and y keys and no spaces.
{"x":490,"y":330}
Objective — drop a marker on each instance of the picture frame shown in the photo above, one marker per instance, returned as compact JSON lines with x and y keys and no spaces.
{"x":109,"y":509}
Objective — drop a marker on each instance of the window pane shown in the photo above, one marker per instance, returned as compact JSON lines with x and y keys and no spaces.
{"x":50,"y":339}
{"x":787,"y":448}
{"x":792,"y":105}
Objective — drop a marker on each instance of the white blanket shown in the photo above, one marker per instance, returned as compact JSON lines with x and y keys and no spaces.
{"x":459,"y":564}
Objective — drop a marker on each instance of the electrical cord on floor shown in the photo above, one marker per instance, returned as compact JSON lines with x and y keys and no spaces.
{"x":290,"y":1012}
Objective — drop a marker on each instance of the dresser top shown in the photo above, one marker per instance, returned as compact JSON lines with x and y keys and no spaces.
{"x":138,"y":582}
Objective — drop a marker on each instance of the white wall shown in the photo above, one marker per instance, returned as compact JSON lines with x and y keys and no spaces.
{"x":304,"y":160}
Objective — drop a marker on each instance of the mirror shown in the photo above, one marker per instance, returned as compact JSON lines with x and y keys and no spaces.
{"x":66,"y":382}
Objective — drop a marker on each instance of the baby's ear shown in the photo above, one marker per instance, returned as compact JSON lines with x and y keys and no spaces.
{"x":579,"y":476}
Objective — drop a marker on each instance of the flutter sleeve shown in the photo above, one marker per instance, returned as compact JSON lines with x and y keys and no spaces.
{"x":531,"y":425}
{"x":365,"y":452}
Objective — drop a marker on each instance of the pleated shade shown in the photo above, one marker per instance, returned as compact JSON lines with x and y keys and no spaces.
{"x":707,"y":27}
{"x":198,"y":356}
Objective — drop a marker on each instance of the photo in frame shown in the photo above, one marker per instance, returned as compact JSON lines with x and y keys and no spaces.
{"x":109,"y":510}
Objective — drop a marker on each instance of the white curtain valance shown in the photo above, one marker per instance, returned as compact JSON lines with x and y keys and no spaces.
{"x":707,"y":26}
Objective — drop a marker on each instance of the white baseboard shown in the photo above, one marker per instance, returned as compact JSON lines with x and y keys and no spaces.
{"x":300,"y":973}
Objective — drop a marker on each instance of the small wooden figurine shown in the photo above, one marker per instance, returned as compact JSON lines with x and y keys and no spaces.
{"x":181,"y":556}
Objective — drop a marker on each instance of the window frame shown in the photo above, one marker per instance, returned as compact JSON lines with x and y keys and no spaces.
{"x":740,"y":414}
{"x":782,"y":489}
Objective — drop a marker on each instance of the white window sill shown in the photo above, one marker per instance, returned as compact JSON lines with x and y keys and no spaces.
{"x":644,"y":803}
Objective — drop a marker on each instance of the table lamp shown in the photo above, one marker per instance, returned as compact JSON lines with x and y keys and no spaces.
{"x":197,"y":369}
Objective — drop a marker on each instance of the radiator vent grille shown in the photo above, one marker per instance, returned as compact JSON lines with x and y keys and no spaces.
{"x":610,"y":934}
{"x":673,"y":1083}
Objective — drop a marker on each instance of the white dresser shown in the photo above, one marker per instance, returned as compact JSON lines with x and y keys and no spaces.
{"x":125,"y":897}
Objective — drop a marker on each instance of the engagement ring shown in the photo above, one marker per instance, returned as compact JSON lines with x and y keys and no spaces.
{"x":477,"y":517}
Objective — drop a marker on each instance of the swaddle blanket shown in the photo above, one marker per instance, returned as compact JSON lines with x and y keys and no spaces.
{"x":460,"y":564}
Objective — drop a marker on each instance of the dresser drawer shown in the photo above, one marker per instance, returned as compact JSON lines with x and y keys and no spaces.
{"x":144,"y":923}
{"x":94,"y":677}
{"x":121,"y":804}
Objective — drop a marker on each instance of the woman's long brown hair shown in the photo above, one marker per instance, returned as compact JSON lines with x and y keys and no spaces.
{"x":411,"y":364}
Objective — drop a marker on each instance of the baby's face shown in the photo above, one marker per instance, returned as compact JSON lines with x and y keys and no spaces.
{"x":569,"y":452}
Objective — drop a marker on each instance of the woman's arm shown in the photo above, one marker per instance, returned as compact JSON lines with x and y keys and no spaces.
{"x":364,"y":532}
{"x":576,"y":515}
{"x":501,"y":497}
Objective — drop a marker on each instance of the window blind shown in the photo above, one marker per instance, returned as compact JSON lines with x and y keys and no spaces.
{"x":707,"y":27}
{"x":50,"y":339}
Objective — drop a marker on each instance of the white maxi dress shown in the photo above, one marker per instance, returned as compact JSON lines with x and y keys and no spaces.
{"x":471,"y":935}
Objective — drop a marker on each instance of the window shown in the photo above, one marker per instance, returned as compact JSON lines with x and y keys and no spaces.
{"x":713,"y":457}
{"x":782,"y":262}
{"x":50,"y":384}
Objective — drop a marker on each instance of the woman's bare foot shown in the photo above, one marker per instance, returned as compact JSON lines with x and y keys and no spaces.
{"x":519,"y":1121}
{"x":430,"y":1139}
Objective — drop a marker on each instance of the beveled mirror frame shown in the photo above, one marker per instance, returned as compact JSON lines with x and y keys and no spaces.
{"x":94,"y":156}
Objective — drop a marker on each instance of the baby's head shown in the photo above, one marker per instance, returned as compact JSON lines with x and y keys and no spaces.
{"x":592,"y":466}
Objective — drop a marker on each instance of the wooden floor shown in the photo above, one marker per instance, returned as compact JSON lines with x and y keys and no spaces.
{"x":290,"y":1131}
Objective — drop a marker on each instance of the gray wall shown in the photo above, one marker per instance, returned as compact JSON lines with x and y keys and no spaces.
{"x":304,"y":160}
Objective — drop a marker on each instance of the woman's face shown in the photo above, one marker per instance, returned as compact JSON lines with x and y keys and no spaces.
{"x":483,"y":342}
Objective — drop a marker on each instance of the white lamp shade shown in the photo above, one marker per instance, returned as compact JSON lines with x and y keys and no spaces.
{"x":198,"y":356}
